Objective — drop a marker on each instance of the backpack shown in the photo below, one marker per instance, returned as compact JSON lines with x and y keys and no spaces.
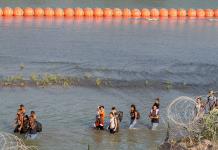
{"x":120,"y":115}
{"x":138,"y":115}
{"x":38,"y":126}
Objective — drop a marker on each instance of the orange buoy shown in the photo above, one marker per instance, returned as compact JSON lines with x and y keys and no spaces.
{"x":181,"y":12}
{"x":127,"y":12}
{"x":1,"y":12}
{"x":145,"y":12}
{"x":28,"y":11}
{"x":98,"y":12}
{"x":192,"y":12}
{"x":78,"y":12}
{"x":88,"y":12}
{"x":108,"y":12}
{"x":163,"y":12}
{"x":200,"y":13}
{"x":38,"y":12}
{"x":215,"y":12}
{"x":49,"y":12}
{"x":7,"y":11}
{"x":172,"y":12}
{"x":68,"y":12}
{"x":59,"y":12}
{"x":209,"y":12}
{"x":136,"y":12}
{"x":154,"y":12}
{"x":117,"y":12}
{"x":18,"y":11}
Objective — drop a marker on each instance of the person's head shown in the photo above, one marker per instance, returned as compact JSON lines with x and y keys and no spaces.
{"x":157,"y":100}
{"x":22,"y":108}
{"x":101,"y":107}
{"x":154,"y":107}
{"x":198,"y":100}
{"x":32,"y":113}
{"x":133,"y":107}
{"x":210,"y":92}
{"x":113,"y":108}
{"x":111,"y":115}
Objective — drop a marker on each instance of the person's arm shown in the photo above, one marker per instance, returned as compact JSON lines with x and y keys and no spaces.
{"x":21,"y":123}
{"x":136,"y":114}
{"x":115,"y":122}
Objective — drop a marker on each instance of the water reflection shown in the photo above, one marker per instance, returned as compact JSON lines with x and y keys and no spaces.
{"x":162,"y":23}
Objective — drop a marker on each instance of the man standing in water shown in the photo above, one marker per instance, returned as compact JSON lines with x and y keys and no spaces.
{"x":154,"y":116}
{"x":211,"y":100}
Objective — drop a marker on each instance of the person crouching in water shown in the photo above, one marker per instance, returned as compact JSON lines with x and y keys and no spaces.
{"x":32,"y":131}
{"x":134,"y":116}
{"x":99,"y":123}
{"x":113,"y":123}
{"x":154,"y":116}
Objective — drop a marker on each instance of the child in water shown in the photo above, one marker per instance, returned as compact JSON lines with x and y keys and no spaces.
{"x":99,"y":123}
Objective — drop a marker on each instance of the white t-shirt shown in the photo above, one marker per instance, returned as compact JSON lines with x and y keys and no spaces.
{"x":112,"y":123}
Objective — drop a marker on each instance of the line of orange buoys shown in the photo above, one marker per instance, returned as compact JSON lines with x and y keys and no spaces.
{"x":108,"y":12}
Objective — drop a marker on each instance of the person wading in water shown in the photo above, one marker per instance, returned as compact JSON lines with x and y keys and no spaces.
{"x":154,"y":116}
{"x":134,"y":116}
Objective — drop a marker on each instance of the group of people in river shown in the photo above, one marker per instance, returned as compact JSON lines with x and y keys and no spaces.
{"x":117,"y":116}
{"x":210,"y":104}
{"x":27,"y":124}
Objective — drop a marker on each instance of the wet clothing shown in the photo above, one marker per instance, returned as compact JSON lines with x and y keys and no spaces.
{"x":102,"y":115}
{"x":154,"y":121}
{"x":133,"y":119}
{"x":25,"y":126}
{"x":16,"y":129}
{"x":117,"y":120}
{"x":33,"y":130}
{"x":154,"y":126}
{"x":113,"y":125}
{"x":99,"y":123}
{"x":154,"y":113}
{"x":132,"y":115}
{"x":132,"y":123}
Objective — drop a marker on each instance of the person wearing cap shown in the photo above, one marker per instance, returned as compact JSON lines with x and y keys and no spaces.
{"x":211,"y":100}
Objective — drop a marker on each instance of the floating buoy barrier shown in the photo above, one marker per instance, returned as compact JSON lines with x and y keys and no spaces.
{"x":109,"y":12}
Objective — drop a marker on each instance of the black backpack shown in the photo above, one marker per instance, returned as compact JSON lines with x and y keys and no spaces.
{"x":38,"y":126}
{"x":120,"y":115}
{"x":138,"y":115}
